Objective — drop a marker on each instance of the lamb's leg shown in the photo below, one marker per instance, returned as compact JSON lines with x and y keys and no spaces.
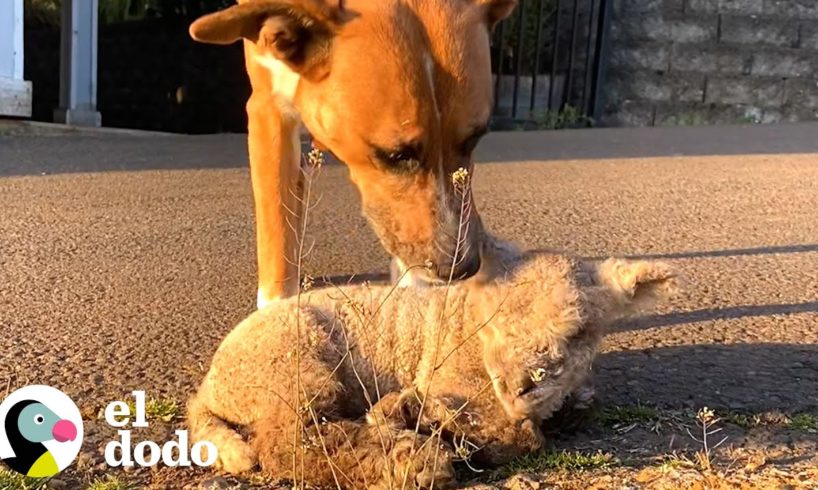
{"x":234,"y":453}
{"x":351,"y":454}
{"x":477,"y":436}
{"x":575,"y":412}
{"x":583,"y":398}
{"x":406,"y":410}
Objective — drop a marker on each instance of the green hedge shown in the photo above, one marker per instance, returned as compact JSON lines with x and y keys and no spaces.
{"x":530,"y":17}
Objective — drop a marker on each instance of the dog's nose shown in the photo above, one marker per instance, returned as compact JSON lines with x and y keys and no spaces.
{"x":463,"y":270}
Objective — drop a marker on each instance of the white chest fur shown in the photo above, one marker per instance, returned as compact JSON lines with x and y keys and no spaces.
{"x":285,"y":83}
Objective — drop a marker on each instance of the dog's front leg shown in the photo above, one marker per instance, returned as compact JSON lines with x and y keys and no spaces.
{"x":275,"y":156}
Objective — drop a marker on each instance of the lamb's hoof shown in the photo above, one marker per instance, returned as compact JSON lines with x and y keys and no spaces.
{"x":426,"y":461}
{"x":436,"y":478}
{"x":574,"y":414}
{"x":584,"y":398}
{"x":237,"y":457}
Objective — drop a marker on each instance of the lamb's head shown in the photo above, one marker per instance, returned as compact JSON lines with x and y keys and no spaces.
{"x":550,"y":317}
{"x":537,"y":346}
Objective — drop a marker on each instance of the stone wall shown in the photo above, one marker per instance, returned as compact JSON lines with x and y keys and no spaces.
{"x":691,"y":62}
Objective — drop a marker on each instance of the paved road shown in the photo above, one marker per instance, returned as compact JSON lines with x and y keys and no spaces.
{"x":120,"y":280}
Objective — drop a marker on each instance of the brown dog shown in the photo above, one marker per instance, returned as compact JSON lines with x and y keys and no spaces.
{"x":399,"y":90}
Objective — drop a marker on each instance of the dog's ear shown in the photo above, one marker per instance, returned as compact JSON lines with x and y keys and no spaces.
{"x":497,"y":10}
{"x":297,"y":32}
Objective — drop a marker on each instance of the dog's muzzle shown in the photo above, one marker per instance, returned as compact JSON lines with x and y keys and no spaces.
{"x":463,"y":269}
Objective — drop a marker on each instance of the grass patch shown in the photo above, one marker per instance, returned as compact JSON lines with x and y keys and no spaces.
{"x":556,"y":460}
{"x":11,"y":480}
{"x":805,"y":422}
{"x":676,"y":462}
{"x":618,"y":416}
{"x":569,"y":117}
{"x":110,"y":482}
{"x":743,"y":420}
{"x":164,"y":409}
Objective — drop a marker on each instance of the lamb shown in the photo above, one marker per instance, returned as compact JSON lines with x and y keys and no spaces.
{"x":373,"y":387}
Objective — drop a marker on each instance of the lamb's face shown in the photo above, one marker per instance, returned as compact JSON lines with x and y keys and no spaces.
{"x":533,"y":383}
{"x":539,"y":346}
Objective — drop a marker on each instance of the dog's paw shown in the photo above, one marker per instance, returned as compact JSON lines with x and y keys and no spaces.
{"x":265,"y":299}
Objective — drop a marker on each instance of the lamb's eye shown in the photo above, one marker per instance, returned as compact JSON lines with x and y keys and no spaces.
{"x":39,"y":419}
{"x":525,"y":389}
{"x":559,"y":371}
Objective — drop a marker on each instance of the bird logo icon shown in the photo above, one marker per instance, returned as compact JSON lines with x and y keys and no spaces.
{"x":40,"y":431}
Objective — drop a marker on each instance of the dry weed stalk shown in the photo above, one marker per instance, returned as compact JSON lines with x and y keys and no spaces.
{"x":310,"y":168}
{"x":461,"y":181}
{"x":707,"y":421}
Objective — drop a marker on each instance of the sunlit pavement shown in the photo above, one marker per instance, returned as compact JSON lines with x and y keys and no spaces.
{"x":124,"y":258}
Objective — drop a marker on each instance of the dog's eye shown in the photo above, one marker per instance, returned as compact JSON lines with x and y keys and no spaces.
{"x":400,"y":160}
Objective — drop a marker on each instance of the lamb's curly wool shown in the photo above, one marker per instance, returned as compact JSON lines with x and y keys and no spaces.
{"x":331,"y":390}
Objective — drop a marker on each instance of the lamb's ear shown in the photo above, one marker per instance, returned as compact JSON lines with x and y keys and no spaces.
{"x":497,"y":10}
{"x":297,"y":32}
{"x":638,"y":283}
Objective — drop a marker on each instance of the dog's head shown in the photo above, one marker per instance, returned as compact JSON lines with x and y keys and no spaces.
{"x":401,"y":92}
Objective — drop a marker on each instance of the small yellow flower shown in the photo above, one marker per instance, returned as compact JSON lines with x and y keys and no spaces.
{"x":460,"y":178}
{"x":315,"y":158}
{"x":705,"y":415}
{"x":463,"y":452}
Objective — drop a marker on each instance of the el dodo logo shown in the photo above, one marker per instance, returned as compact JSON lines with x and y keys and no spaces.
{"x":148,"y":453}
{"x":40,"y":431}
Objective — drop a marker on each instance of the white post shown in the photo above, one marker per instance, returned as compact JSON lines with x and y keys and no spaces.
{"x":78,"y":64}
{"x":15,"y":93}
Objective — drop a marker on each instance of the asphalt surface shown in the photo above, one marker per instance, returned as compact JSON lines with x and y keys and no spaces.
{"x":124,"y":259}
